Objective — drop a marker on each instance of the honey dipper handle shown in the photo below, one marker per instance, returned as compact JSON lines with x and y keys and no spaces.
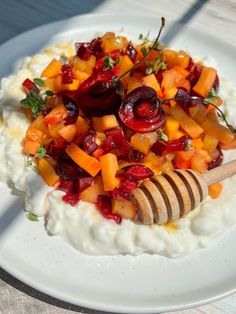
{"x":220,"y":173}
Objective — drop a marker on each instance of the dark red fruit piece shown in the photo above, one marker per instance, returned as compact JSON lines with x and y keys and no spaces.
{"x":66,"y":71}
{"x":104,"y":206}
{"x":217,"y":161}
{"x":108,"y":145}
{"x":89,"y":145}
{"x":114,"y":54}
{"x":161,"y":147}
{"x":68,"y":170}
{"x":46,"y":111}
{"x":85,"y":50}
{"x":99,"y":65}
{"x":29,"y":86}
{"x":56,"y":148}
{"x":83,"y":183}
{"x":194,"y":74}
{"x":125,"y":190}
{"x":190,"y":65}
{"x":71,"y":198}
{"x":137,"y":172}
{"x":146,"y":110}
{"x":135,"y":156}
{"x":144,"y":97}
{"x":97,"y":95}
{"x":131,"y":51}
{"x":216,"y":84}
{"x":159,"y":76}
{"x":67,"y":186}
{"x":72,"y":108}
{"x":185,"y":101}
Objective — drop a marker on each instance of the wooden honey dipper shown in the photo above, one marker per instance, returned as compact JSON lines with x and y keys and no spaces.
{"x":172,"y":195}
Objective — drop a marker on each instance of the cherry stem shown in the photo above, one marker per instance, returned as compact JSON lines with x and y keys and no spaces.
{"x":144,"y":57}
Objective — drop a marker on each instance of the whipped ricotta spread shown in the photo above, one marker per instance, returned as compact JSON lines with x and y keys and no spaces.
{"x":82,"y":226}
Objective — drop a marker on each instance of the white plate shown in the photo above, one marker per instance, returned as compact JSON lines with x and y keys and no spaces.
{"x":144,"y":284}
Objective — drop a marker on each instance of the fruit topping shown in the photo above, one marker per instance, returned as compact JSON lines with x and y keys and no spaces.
{"x":141,"y":110}
{"x":118,"y":113}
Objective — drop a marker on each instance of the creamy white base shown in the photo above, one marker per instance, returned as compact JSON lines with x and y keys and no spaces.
{"x":82,"y":226}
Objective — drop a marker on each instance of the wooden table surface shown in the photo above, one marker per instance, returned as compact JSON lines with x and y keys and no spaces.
{"x":213,"y":16}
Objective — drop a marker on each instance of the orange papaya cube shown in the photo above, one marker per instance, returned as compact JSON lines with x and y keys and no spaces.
{"x":210,"y":142}
{"x":174,"y":78}
{"x":143,"y":141}
{"x":183,"y":159}
{"x":52,"y":70}
{"x":84,"y":65}
{"x":198,"y":113}
{"x":151,"y":81}
{"x":50,"y":82}
{"x":125,"y":64}
{"x":55,"y":128}
{"x":199,"y":163}
{"x":216,"y":129}
{"x":124,"y":208}
{"x":179,"y":134}
{"x":99,"y":187}
{"x":39,"y":124}
{"x":105,"y":123}
{"x":217,"y":102}
{"x":72,"y":86}
{"x":197,"y":144}
{"x":85,"y":161}
{"x":31,"y":148}
{"x":171,"y":93}
{"x":47,"y":172}
{"x":215,"y":189}
{"x":68,"y":132}
{"x":111,"y":42}
{"x":89,"y":195}
{"x":173,"y":58}
{"x":205,"y":82}
{"x":79,"y":75}
{"x":109,"y":168}
{"x":230,"y":145}
{"x":212,"y":115}
{"x":58,"y":83}
{"x":206,"y":154}
{"x":133,"y":83}
{"x":57,"y":114}
{"x":34,"y":135}
{"x":171,"y":127}
{"x":186,"y":123}
{"x":184,"y":72}
{"x":82,"y":126}
{"x":153,"y":162}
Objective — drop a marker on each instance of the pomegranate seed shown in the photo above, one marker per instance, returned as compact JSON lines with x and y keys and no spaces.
{"x":83,"y":183}
{"x":89,"y":142}
{"x":30,"y":87}
{"x":131,"y":51}
{"x":162,"y":147}
{"x":66,"y":71}
{"x":137,"y":172}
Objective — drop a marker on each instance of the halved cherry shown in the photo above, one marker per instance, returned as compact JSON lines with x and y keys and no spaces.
{"x":97,"y":95}
{"x":141,"y":110}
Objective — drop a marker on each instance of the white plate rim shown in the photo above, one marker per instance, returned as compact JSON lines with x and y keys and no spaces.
{"x":57,"y":294}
